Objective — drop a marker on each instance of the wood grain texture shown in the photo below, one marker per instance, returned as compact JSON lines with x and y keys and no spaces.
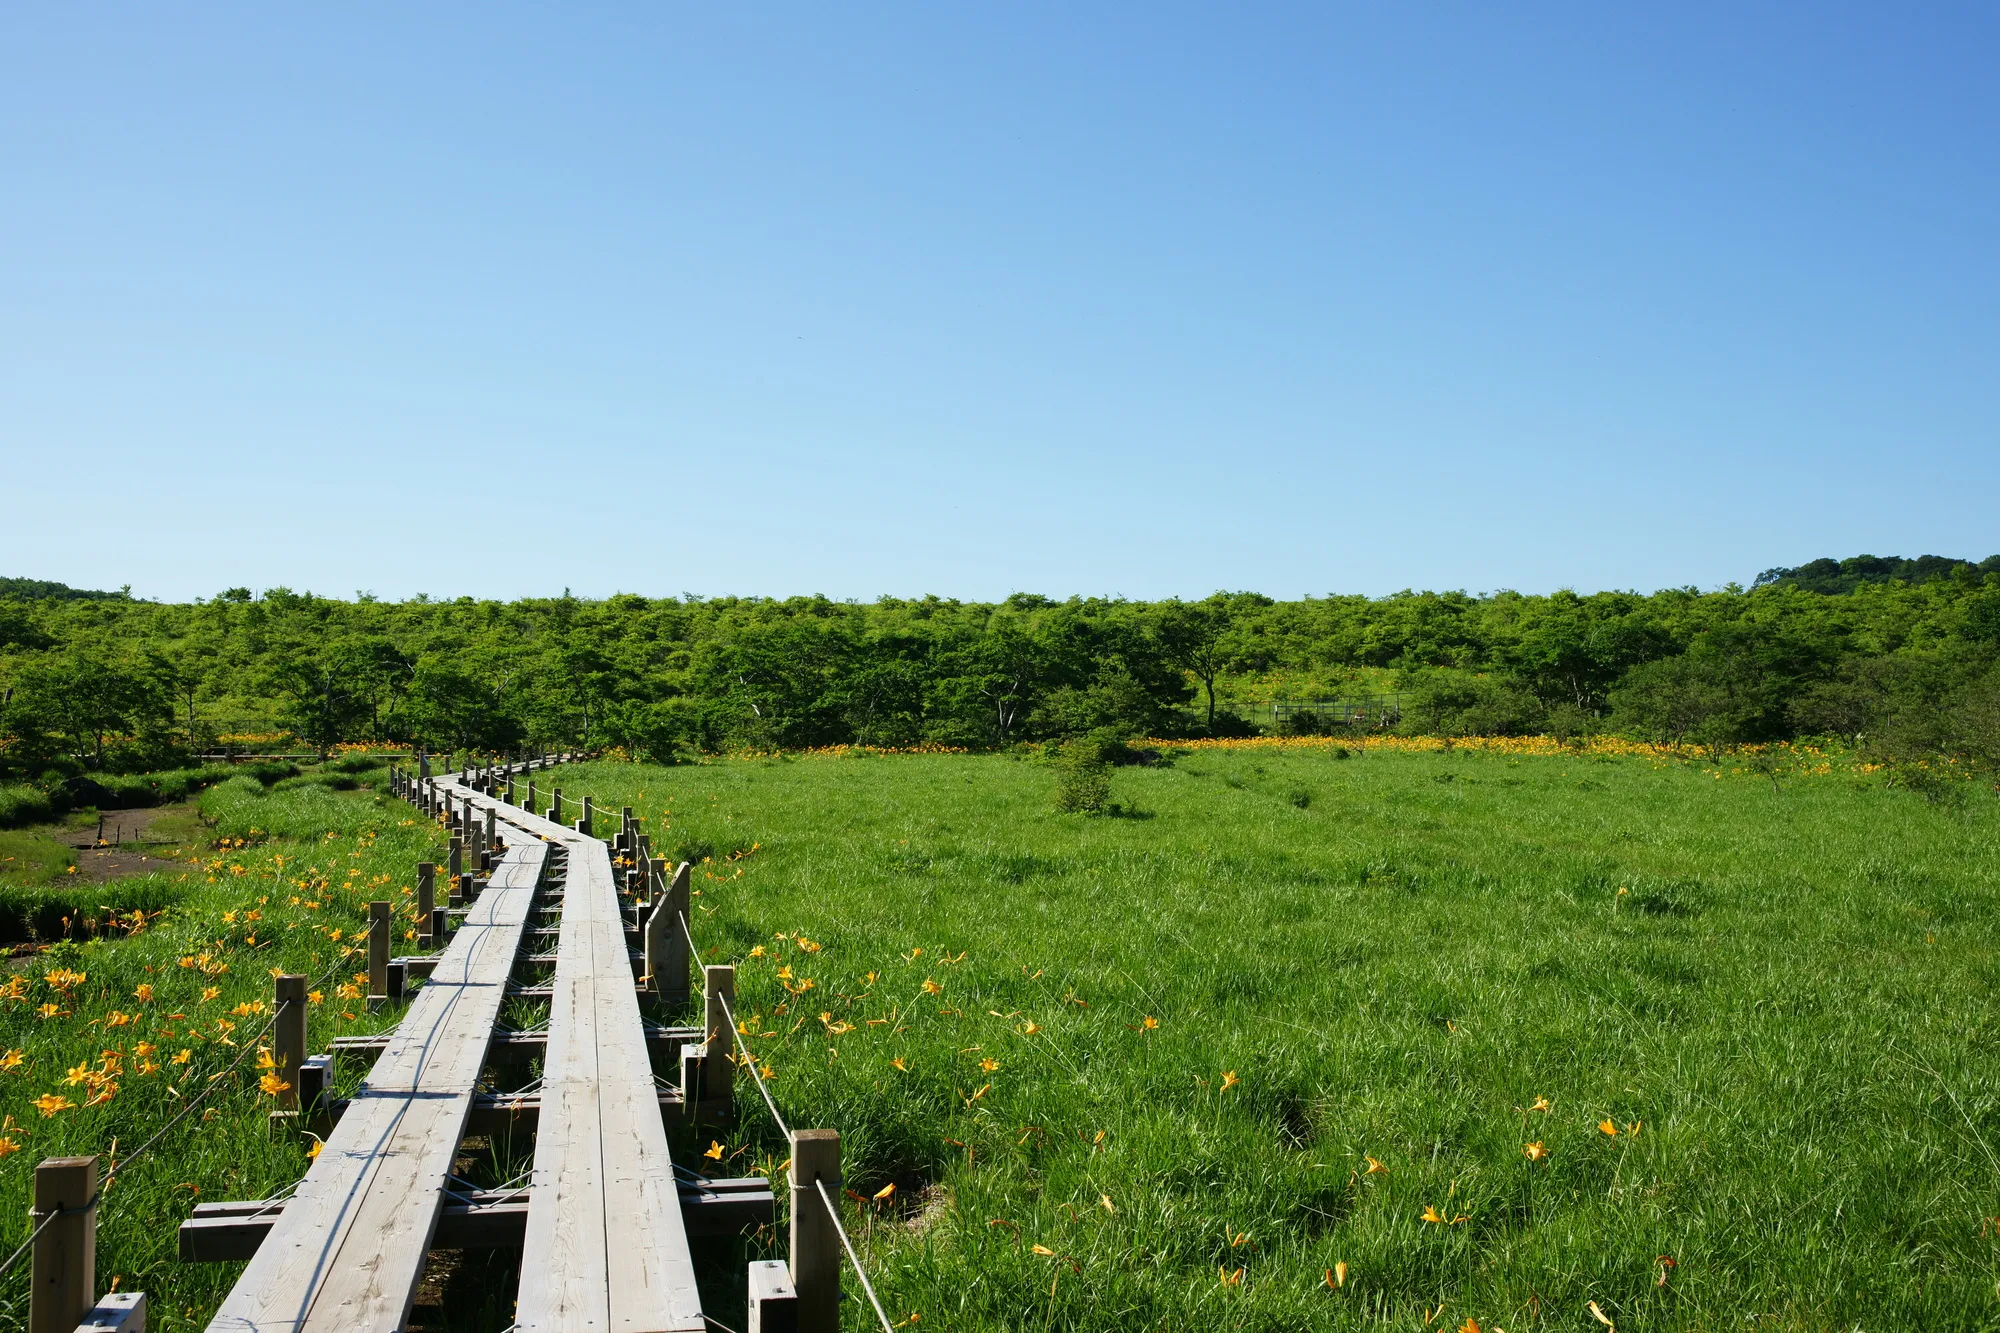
{"x":606,"y":1247}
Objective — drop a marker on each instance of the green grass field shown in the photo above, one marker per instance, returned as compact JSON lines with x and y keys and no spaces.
{"x":1376,"y":981}
{"x":1166,"y":1069}
{"x":104,"y":1021}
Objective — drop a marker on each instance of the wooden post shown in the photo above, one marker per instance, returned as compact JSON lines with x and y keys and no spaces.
{"x":426,"y":902}
{"x":774,"y":1304}
{"x":424,"y":764}
{"x":666,"y":946}
{"x":555,"y":806}
{"x":589,"y":815}
{"x":510,"y":785}
{"x":718,"y":985}
{"x":64,"y":1264}
{"x":455,"y":870}
{"x":529,"y":805}
{"x":487,"y":838}
{"x":288,"y":1036}
{"x":378,"y":953}
{"x":815,"y":1241}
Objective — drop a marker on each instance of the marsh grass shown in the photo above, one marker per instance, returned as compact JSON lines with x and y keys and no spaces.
{"x":1780,"y":995}
{"x":1787,"y":988}
{"x":321,"y":835}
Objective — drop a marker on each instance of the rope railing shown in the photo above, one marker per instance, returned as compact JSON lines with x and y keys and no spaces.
{"x":755,"y":1073}
{"x":840,"y":1228}
{"x":770,"y":1102}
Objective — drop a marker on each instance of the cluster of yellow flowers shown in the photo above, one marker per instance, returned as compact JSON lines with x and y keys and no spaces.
{"x":1807,"y":758}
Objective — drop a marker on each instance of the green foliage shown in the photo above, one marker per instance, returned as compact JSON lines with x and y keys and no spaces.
{"x":38,"y":589}
{"x":1843,"y":576}
{"x":21,"y":804}
{"x":1442,"y":701}
{"x":1083,"y":777}
{"x":116,"y":685}
{"x":53,"y":913}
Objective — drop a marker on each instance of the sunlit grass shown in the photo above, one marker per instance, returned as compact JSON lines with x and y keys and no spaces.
{"x":108,"y":1022}
{"x":1171,"y":1069}
{"x":1294,"y":1012}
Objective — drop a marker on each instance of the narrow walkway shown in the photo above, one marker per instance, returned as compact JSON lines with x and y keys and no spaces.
{"x":606,"y":1245}
{"x":348,"y":1249}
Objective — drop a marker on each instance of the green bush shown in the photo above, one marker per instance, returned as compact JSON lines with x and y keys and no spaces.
{"x":25,"y":805}
{"x":1083,"y":778}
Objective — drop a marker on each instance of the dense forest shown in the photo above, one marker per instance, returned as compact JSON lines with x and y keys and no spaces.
{"x":1899,"y":655}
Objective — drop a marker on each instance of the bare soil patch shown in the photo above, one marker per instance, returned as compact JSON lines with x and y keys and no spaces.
{"x":133,"y":842}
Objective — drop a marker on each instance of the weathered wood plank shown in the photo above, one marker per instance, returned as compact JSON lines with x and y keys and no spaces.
{"x":605,"y":1247}
{"x":349,"y":1249}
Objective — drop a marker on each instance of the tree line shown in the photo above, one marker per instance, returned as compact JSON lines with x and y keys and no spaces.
{"x":1910,"y":666}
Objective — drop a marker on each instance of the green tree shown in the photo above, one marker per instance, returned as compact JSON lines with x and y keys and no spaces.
{"x":320,"y":696}
{"x":87,"y":698}
{"x":1194,"y":637}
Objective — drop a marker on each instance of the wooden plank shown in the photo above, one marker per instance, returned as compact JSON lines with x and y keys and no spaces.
{"x":605,"y":1248}
{"x":349,"y":1249}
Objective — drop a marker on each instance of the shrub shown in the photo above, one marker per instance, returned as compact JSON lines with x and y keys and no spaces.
{"x":1083,"y":779}
{"x":25,"y":805}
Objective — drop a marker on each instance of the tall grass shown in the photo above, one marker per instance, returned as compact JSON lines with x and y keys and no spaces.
{"x":1375,"y":984}
{"x":229,"y":916}
{"x":1365,"y":1004}
{"x":22,"y":803}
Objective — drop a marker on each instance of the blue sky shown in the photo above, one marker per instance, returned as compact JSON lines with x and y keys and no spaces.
{"x":1140,"y":300}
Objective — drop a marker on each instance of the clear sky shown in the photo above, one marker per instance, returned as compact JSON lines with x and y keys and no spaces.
{"x":1142,"y":299}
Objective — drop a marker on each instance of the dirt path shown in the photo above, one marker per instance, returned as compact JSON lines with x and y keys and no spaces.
{"x":127,"y":840}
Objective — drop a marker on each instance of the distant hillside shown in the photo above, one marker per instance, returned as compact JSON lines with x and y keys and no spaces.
{"x":37,"y":589}
{"x":1839,"y":576}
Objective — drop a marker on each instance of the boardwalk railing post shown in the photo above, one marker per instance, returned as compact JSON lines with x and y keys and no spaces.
{"x":589,"y":815}
{"x":815,"y":1243}
{"x":427,"y":904}
{"x":718,"y":1064}
{"x":64,"y":1264}
{"x":666,"y":946}
{"x":555,"y":806}
{"x":529,"y":805}
{"x":510,"y":785}
{"x":378,"y":953}
{"x":288,"y":1038}
{"x":455,"y":868}
{"x":487,"y":839}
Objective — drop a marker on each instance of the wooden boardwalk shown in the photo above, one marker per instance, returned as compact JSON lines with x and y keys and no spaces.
{"x":348,"y":1250}
{"x":605,"y":1245}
